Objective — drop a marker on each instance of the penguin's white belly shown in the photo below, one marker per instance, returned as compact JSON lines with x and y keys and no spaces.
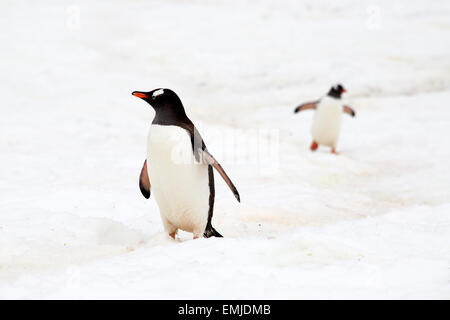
{"x":327,"y":122}
{"x":179,"y":184}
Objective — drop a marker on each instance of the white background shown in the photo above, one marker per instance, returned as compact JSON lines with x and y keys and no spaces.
{"x":372,"y":222}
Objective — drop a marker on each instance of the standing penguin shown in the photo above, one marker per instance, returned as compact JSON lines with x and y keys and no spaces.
{"x":327,"y":119}
{"x":179,"y":168}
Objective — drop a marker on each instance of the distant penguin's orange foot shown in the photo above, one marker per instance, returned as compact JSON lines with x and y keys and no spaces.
{"x":195,"y":236}
{"x":314,"y":146}
{"x":172,"y":235}
{"x":333,"y":151}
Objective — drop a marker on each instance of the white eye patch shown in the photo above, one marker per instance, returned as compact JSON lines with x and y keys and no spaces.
{"x":158,"y":93}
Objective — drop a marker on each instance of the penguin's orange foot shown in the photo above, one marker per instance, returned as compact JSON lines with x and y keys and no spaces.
{"x":195,"y":236}
{"x":314,"y":146}
{"x":172,"y":235}
{"x":333,"y":151}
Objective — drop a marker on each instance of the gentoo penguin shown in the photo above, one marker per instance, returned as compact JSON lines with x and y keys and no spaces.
{"x":327,"y":119}
{"x":178,"y":168}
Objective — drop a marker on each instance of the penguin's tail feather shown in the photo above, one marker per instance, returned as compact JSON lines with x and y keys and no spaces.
{"x":211,"y":232}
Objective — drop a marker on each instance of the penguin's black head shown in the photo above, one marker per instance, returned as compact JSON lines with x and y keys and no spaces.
{"x":336,"y":91}
{"x":166,"y":103}
{"x":159,"y":98}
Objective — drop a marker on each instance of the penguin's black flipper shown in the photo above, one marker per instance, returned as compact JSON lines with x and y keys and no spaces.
{"x":306,"y":106}
{"x":211,"y":232}
{"x":144,"y":181}
{"x":349,"y":110}
{"x":213,"y":162}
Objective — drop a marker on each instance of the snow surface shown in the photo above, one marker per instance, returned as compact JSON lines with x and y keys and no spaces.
{"x":372,"y":222}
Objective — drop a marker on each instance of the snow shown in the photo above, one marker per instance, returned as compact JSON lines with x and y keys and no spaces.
{"x":372,"y":222}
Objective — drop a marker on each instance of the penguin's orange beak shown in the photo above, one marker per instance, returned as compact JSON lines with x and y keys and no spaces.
{"x":343,"y":90}
{"x":139,"y":94}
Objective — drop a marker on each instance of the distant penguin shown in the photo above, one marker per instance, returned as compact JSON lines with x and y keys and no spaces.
{"x":327,"y":119}
{"x":178,"y":168}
